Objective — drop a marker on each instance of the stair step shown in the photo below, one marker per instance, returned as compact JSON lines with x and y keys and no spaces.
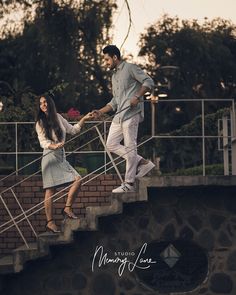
{"x":47,"y":239}
{"x":32,"y":247}
{"x":23,"y":254}
{"x":6,"y":264}
{"x":15,"y":262}
{"x":126,"y":197}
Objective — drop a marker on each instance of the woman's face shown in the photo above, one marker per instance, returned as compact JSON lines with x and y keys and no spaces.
{"x":43,"y":104}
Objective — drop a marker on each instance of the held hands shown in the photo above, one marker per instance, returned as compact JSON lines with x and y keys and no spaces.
{"x":96,"y":114}
{"x":88,"y":116}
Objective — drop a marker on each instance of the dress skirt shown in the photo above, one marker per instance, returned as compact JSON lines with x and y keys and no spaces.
{"x":56,"y":170}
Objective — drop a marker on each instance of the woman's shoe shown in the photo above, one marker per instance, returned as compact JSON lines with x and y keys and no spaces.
{"x":53,"y":230}
{"x":70,"y":215}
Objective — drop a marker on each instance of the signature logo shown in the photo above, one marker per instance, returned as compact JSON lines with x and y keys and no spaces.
{"x":123,"y":263}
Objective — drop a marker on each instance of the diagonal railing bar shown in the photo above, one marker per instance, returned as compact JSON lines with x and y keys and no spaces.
{"x":26,"y":217}
{"x":30,"y":209}
{"x":86,"y":176}
{"x":58,"y":198}
{"x":15,"y":224}
{"x":28,"y":177}
{"x":123,"y":160}
{"x":68,"y":141}
{"x":39,"y":158}
{"x":14,"y":172}
{"x":109,"y":154}
{"x":23,"y":180}
{"x":100,"y":123}
{"x":19,"y":182}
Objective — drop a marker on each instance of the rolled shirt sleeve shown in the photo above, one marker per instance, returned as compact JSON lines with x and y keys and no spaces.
{"x":113,"y":104}
{"x":127,"y":80}
{"x":141,"y":76}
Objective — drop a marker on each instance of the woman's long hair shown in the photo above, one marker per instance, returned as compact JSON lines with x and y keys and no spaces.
{"x":50,"y":121}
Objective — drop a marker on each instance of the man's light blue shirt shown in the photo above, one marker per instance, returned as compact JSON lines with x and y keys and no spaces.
{"x":127,"y":80}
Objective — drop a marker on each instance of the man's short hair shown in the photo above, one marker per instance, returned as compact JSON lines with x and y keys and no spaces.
{"x":111,"y":50}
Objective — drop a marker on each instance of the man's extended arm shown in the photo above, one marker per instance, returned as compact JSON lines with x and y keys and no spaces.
{"x":97,"y":113}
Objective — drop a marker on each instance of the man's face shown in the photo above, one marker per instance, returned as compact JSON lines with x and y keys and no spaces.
{"x":110,"y":62}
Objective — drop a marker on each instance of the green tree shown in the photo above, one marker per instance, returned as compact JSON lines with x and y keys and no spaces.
{"x":59,"y":49}
{"x":205,"y":55}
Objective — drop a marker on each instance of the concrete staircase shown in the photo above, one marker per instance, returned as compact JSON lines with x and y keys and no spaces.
{"x":16,"y":262}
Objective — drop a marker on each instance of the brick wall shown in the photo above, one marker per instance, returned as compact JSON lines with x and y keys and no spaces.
{"x":30,"y":193}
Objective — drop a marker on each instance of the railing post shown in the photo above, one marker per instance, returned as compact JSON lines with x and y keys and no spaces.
{"x":153,"y":121}
{"x":16,"y":146}
{"x":225,"y":145}
{"x":153,"y":111}
{"x":203,"y":141}
{"x":233,"y":139}
{"x":104,"y":150}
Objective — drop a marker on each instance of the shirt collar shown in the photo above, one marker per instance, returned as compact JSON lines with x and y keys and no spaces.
{"x":120,"y":66}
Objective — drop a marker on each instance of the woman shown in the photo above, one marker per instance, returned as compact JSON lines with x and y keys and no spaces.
{"x":51,"y":128}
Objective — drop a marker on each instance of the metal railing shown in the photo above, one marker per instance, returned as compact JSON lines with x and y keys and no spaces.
{"x":112,"y":163}
{"x":17,"y":140}
{"x":227,"y":135}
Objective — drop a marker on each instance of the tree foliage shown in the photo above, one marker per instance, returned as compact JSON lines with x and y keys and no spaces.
{"x":205,"y":55}
{"x":204,"y":60}
{"x":58,"y":49}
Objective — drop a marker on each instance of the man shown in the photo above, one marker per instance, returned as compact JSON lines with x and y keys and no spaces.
{"x":129,"y":84}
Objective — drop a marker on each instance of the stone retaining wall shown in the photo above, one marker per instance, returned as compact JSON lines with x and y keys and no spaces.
{"x":203,"y":215}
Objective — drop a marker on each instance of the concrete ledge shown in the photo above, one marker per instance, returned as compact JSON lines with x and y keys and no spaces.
{"x":6,"y":265}
{"x":23,"y":254}
{"x":165,"y":181}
